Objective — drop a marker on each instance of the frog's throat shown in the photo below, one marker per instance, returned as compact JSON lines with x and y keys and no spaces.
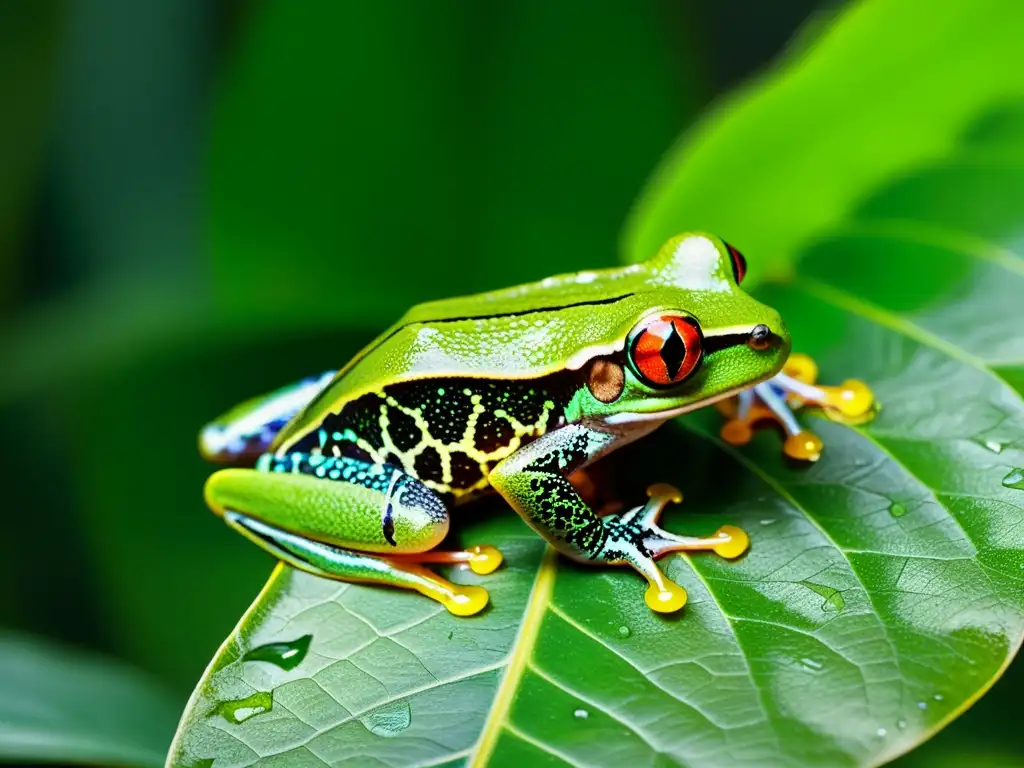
{"x":632,"y":417}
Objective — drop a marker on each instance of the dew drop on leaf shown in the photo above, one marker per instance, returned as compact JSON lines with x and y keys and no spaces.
{"x":286,"y":655}
{"x":937,"y":697}
{"x":897,"y":510}
{"x":994,"y":446}
{"x":901,"y":724}
{"x":767,"y":521}
{"x":1015,"y":479}
{"x":581,"y":714}
{"x":812,"y":664}
{"x":624,"y":631}
{"x":922,"y":705}
{"x":240,"y":710}
{"x":881,"y":731}
{"x":389,"y":720}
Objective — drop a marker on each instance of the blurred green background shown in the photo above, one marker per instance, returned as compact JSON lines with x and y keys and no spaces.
{"x":202,"y":200}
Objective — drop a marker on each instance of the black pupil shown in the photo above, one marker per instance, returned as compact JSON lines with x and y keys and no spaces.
{"x":673,"y":352}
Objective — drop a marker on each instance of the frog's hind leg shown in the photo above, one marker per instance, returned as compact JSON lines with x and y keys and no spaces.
{"x":346,"y":519}
{"x":245,"y":432}
{"x":341,"y":564}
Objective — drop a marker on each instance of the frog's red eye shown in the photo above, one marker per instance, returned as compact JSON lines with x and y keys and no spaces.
{"x":739,"y":264}
{"x":665,"y":349}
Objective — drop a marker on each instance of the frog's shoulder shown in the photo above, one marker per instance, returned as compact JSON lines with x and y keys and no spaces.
{"x":524,"y":332}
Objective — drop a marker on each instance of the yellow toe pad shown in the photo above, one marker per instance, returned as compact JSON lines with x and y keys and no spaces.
{"x":734,"y":542}
{"x":466,"y":601}
{"x":668,"y":598}
{"x":485,"y":559}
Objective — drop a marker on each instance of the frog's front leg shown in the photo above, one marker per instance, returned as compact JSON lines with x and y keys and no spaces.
{"x":534,"y":480}
{"x":774,"y":402}
{"x":346,"y":519}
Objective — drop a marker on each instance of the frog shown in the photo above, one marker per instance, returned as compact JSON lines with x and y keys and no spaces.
{"x":353,"y":474}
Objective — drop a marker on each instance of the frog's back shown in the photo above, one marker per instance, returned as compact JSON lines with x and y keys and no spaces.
{"x":525,"y":332}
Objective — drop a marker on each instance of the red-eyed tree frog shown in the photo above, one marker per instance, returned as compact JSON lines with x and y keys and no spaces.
{"x":352,"y":474}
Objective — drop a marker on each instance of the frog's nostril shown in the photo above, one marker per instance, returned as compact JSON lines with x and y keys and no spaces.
{"x":760,"y":337}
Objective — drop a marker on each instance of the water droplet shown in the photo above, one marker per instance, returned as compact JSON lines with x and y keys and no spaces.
{"x":834,"y":600}
{"x":881,"y":731}
{"x":922,"y":705}
{"x":581,"y":714}
{"x":897,"y":510}
{"x":285,"y":655}
{"x":937,"y":697}
{"x":901,"y":724}
{"x":389,"y":720}
{"x":1015,"y":479}
{"x":624,"y":631}
{"x":994,"y":446}
{"x":768,"y":521}
{"x":811,"y":664}
{"x":240,"y":710}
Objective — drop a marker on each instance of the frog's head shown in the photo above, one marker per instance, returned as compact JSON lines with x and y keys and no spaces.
{"x":697,"y":338}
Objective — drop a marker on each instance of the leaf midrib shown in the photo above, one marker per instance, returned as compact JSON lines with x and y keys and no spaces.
{"x":516,"y":662}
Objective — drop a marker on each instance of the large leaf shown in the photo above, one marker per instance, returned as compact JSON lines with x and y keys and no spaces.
{"x":882,"y":594}
{"x":64,"y":706}
{"x":892,"y":87}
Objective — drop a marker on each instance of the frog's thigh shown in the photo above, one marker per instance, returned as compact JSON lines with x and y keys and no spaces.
{"x":344,"y":502}
{"x":317,"y":514}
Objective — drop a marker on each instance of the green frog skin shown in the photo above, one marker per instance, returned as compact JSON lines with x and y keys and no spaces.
{"x":351,"y":475}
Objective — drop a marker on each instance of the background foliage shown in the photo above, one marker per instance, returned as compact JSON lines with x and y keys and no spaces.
{"x":205,"y":200}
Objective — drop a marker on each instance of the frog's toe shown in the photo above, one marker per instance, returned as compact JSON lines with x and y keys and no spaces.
{"x":728,"y":541}
{"x":853,"y":402}
{"x":737,"y":432}
{"x":484,"y":559}
{"x":481,"y":558}
{"x":666,"y":597}
{"x":803,"y":446}
{"x":464,"y":601}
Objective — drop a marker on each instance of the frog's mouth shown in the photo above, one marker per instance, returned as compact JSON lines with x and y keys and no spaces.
{"x":722,"y":341}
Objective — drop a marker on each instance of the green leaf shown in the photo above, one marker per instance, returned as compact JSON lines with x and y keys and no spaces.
{"x":891,"y":88}
{"x":882,"y":593}
{"x":65,"y":706}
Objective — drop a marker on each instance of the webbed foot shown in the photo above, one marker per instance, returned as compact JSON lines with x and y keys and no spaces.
{"x":635,"y":539}
{"x":773,"y":402}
